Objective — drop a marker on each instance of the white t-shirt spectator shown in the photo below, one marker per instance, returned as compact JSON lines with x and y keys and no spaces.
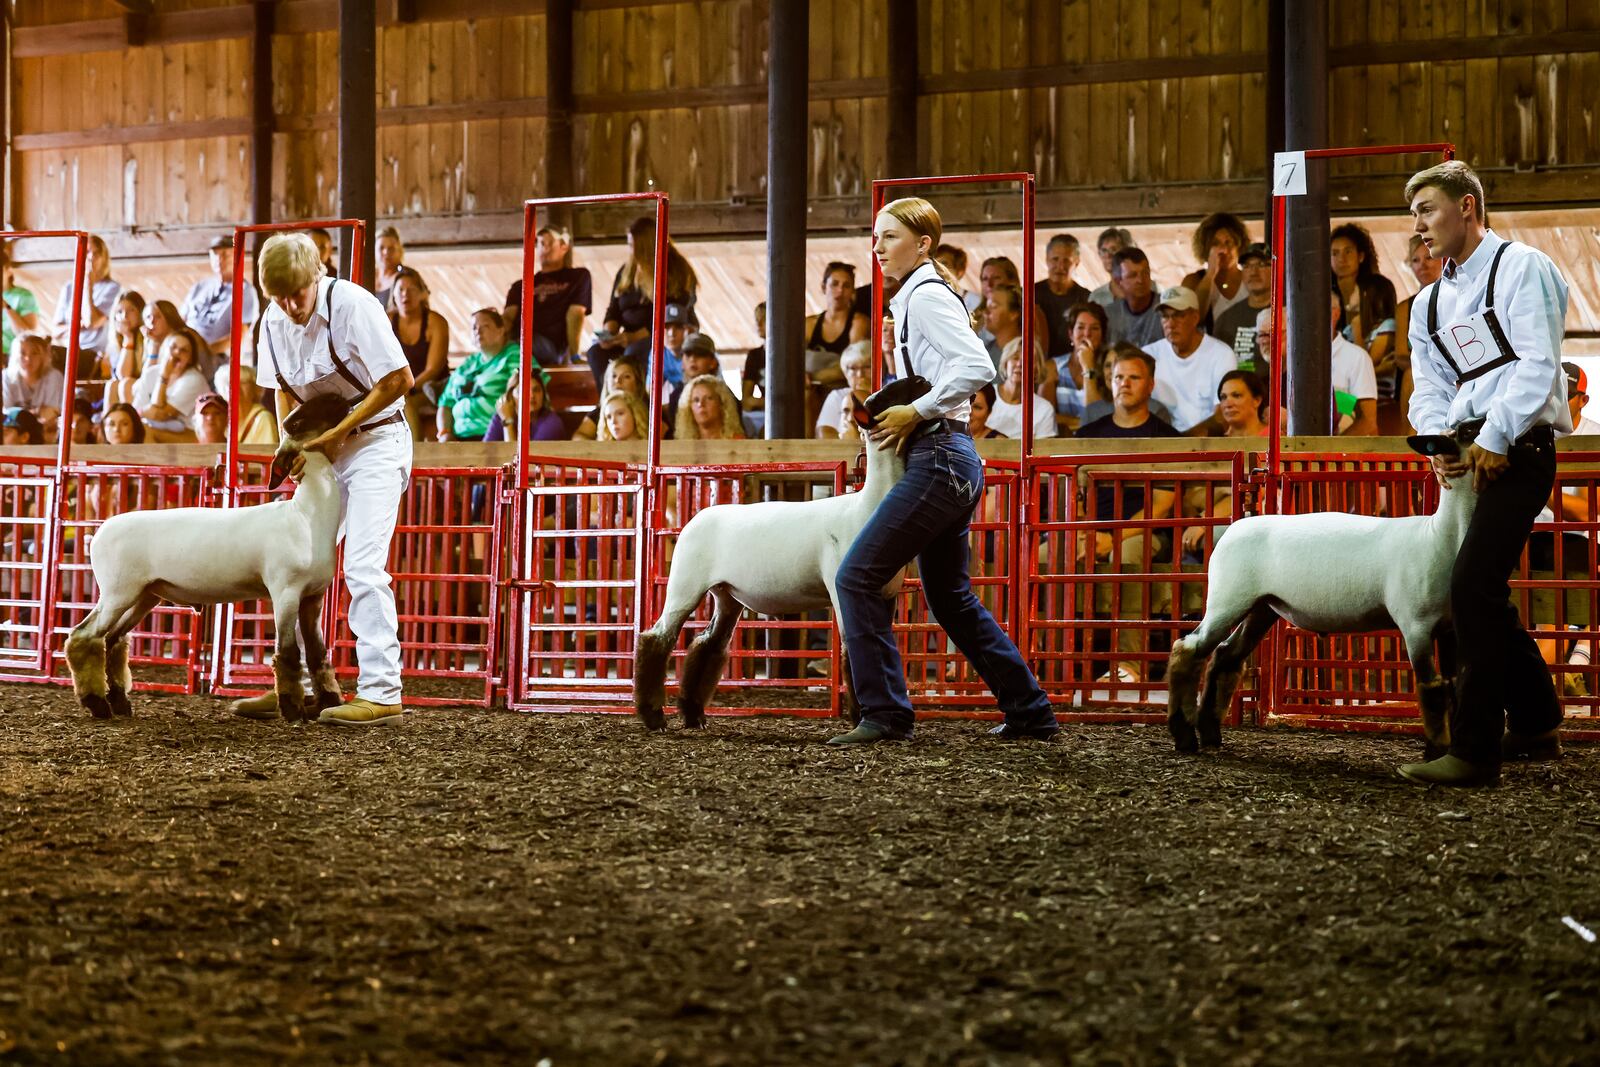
{"x":209,"y":308}
{"x":1006,"y":418}
{"x":181,"y":394}
{"x":20,"y":393}
{"x":832,"y":411}
{"x":1188,"y":386}
{"x":1353,"y":372}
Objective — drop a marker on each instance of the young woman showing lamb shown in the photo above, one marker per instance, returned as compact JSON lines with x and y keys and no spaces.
{"x":193,"y":556}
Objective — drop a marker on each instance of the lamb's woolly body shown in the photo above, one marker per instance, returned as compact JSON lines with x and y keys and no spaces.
{"x":1327,"y":572}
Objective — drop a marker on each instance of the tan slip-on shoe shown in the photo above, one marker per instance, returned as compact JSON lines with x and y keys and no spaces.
{"x":360,"y":712}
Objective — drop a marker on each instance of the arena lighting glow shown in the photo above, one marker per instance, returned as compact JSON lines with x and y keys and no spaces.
{"x":358,"y":237}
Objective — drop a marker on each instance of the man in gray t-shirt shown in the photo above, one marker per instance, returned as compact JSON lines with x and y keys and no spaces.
{"x":1136,"y":318}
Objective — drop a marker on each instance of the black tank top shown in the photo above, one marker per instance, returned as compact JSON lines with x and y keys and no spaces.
{"x":837,"y":345}
{"x":417,"y":351}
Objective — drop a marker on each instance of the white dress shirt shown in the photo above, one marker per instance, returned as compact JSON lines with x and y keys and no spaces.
{"x":941,"y":344}
{"x":1187,"y":385}
{"x":1006,"y":418}
{"x":1353,"y":371}
{"x":1532,"y":306}
{"x":361,"y":335}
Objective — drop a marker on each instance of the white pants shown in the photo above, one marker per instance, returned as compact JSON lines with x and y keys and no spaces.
{"x":373,"y":469}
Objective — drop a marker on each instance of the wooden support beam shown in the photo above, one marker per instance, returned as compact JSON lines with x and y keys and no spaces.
{"x":559,"y":44}
{"x":901,"y":148}
{"x":136,"y":7}
{"x":261,"y":115}
{"x":788,"y":36}
{"x":358,"y":129}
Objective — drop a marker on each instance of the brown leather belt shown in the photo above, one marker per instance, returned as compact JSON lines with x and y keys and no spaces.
{"x":398,"y":416}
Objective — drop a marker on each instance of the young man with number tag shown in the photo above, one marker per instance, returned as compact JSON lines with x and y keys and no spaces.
{"x":1486,"y":355}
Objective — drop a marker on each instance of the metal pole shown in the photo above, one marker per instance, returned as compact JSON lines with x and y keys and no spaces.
{"x":901,"y":149}
{"x":1310,"y":350}
{"x":358,"y":125}
{"x":788,"y":91}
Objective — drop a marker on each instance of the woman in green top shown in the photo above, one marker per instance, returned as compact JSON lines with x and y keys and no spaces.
{"x":467,"y":404}
{"x":19,"y":310}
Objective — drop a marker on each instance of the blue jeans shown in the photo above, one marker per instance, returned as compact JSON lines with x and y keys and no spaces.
{"x":925,"y":517}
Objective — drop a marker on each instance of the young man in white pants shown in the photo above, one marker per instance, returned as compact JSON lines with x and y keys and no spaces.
{"x":320,"y":336}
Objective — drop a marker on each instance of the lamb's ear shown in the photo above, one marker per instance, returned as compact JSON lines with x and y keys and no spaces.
{"x":1433,"y":444}
{"x":859,"y":412}
{"x":281,"y":462}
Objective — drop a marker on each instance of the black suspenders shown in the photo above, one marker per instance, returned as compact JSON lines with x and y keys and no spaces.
{"x":1507,"y":355}
{"x":339,"y":364}
{"x":905,"y":327}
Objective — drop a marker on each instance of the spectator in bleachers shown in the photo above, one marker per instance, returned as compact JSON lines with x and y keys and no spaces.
{"x":1136,"y":316}
{"x":676,"y":329}
{"x":708,"y":412}
{"x":623,"y":418}
{"x":1367,"y":298}
{"x":1218,"y":285}
{"x":424,"y":337}
{"x":1260,"y":361}
{"x":208,"y":309}
{"x":978,"y":421}
{"x":82,"y":421}
{"x":996,"y":271}
{"x":161,"y":319}
{"x":211,"y":419}
{"x":257,"y":425}
{"x":95,"y":312}
{"x":166,"y":392}
{"x":19,"y":308}
{"x":1236,"y":327}
{"x":31,"y":382}
{"x":1355,"y":383}
{"x":839,"y":318}
{"x":753,"y":379}
{"x":1100,"y":408}
{"x":562,"y":296}
{"x":1133,"y":380}
{"x":1003,"y":323}
{"x":1189,"y":364}
{"x":390,"y":256}
{"x":325,"y":251}
{"x":1006,"y":411}
{"x":21,"y":427}
{"x":857,"y":366}
{"x":1058,"y":293}
{"x":1080,"y":374}
{"x":626,"y":329}
{"x":468,"y":401}
{"x":1112,"y":240}
{"x":1426,"y":270}
{"x":123,"y":362}
{"x":544,"y":422}
{"x":1242,"y":404}
{"x":121,"y":425}
{"x":699,"y":357}
{"x":954,"y":260}
{"x":623,"y":375}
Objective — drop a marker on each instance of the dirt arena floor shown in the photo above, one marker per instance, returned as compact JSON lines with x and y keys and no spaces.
{"x":483,"y":888}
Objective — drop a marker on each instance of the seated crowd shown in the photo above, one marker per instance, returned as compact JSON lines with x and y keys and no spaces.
{"x":1204,"y":344}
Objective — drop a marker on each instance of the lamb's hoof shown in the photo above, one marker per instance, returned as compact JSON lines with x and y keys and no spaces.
{"x":325,"y":700}
{"x":1183,"y":736}
{"x":654,"y":719}
{"x":1210,"y":733}
{"x":98,"y":706}
{"x":118,"y":699}
{"x":693,"y":719}
{"x":292,"y":706}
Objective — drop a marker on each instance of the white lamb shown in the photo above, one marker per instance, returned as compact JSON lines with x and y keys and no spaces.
{"x":192,"y":556}
{"x":773,"y":557}
{"x":1327,"y":572}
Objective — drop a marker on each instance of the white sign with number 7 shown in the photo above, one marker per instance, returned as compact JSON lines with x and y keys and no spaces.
{"x":1289,"y":174}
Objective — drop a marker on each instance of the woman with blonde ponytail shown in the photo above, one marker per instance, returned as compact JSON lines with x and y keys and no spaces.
{"x":924,"y":517}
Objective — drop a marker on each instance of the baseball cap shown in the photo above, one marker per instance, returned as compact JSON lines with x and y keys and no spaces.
{"x":207,"y":399}
{"x":1577,"y":380}
{"x":699,"y":344}
{"x":1180,"y":298}
{"x":674,"y":315}
{"x":1256,"y":250}
{"x":222,"y":241}
{"x":23,"y":419}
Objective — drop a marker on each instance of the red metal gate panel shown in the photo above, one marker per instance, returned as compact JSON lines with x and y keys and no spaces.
{"x":27,"y":552}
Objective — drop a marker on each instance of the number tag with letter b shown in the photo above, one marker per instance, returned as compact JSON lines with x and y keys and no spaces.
{"x":1471,"y":343}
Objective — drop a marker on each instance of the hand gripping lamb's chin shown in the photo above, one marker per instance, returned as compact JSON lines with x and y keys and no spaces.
{"x":1365,"y":574}
{"x":713,"y":556}
{"x":283,"y":550}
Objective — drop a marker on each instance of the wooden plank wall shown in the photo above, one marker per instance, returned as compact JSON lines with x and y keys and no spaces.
{"x":1118,"y":106}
